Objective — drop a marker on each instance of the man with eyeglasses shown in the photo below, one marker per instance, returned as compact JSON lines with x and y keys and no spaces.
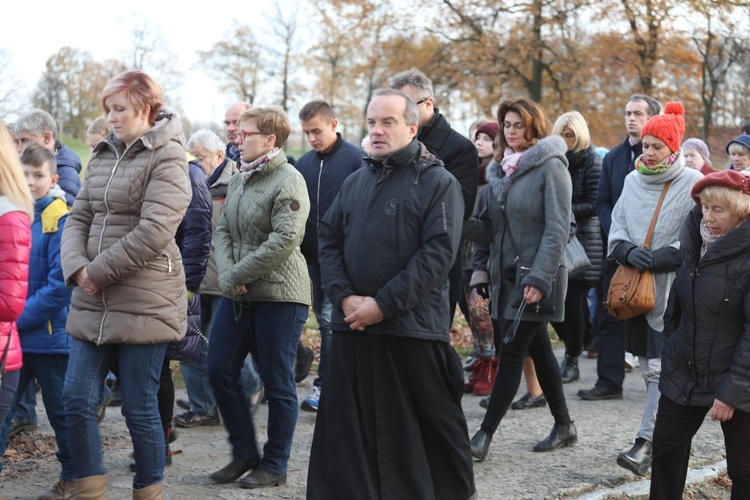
{"x":458,"y":154}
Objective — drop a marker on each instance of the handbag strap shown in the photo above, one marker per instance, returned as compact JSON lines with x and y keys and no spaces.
{"x":517,"y":257}
{"x":651,"y":227}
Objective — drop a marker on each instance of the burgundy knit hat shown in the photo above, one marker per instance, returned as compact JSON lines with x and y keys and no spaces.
{"x":669,"y":127}
{"x":729,"y":179}
{"x":489,"y":128}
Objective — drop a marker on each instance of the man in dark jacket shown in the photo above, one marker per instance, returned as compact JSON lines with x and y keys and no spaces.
{"x":386,"y":245}
{"x":325,"y":169}
{"x":230,"y":125}
{"x":617,"y":164}
{"x":457,"y":153}
{"x":38,"y":126}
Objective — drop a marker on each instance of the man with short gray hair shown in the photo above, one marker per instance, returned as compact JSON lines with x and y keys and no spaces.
{"x":36,"y":125}
{"x":456,"y":151}
{"x":390,"y":420}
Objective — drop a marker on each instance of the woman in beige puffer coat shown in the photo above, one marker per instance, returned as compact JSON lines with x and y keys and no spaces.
{"x":118,"y":248}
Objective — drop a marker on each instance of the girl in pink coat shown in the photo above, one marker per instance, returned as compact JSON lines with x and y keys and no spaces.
{"x":16,"y":212}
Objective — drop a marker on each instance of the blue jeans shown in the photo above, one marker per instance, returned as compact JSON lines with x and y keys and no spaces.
{"x":140,"y":367}
{"x":8,"y":391}
{"x":26,"y":410}
{"x":271,"y":332}
{"x":194,"y":373}
{"x":323,"y":310}
{"x":49,"y":370}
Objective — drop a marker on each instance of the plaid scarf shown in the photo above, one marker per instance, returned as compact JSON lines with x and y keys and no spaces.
{"x":249,"y":169}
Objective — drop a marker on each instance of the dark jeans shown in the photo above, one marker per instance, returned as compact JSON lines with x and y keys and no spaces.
{"x":532,"y":337}
{"x":610,"y":363}
{"x":571,"y":330}
{"x":323,"y":310}
{"x":140,"y":368}
{"x":49,"y":370}
{"x":271,"y":332}
{"x":8,"y":392}
{"x":675,"y":427}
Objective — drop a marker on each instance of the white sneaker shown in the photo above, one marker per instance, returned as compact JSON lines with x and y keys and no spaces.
{"x":631,"y":362}
{"x":311,"y":402}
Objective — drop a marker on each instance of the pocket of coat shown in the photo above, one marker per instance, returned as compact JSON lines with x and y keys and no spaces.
{"x":273,"y":277}
{"x":162,"y":263}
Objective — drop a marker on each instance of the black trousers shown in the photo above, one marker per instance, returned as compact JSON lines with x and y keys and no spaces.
{"x":675,"y":427}
{"x":610,"y":363}
{"x":390,"y":423}
{"x":532,"y":337}
{"x":572,"y":329}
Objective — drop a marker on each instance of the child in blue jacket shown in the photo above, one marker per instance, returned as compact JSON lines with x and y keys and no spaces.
{"x":44,"y":341}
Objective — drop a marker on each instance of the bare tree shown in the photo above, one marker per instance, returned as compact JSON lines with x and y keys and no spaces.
{"x":235,"y":62}
{"x":10,"y":85}
{"x":284,"y":24}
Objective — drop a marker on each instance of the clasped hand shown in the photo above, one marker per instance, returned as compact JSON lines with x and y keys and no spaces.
{"x":81,"y":277}
{"x":641,"y":259}
{"x":360,"y":312}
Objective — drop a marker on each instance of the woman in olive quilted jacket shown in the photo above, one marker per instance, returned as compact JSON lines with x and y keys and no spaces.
{"x":267,"y":292}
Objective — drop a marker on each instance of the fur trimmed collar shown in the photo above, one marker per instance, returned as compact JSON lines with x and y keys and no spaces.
{"x":548,"y":147}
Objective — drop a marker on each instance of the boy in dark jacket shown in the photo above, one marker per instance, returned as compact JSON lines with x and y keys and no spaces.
{"x":41,"y":326}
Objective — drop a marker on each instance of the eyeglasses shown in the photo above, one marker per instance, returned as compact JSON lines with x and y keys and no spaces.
{"x":422,"y":100}
{"x":242,"y":135}
{"x":517,"y":126}
{"x":570,"y":137}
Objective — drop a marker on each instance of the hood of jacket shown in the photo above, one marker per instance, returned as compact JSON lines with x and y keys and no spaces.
{"x":415,"y":154}
{"x":166,"y":128}
{"x":66,"y":157}
{"x":549,"y":147}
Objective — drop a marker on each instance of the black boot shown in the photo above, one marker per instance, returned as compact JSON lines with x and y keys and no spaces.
{"x":480,"y":444}
{"x":561,"y":435}
{"x":569,"y":369}
{"x":638,"y":459}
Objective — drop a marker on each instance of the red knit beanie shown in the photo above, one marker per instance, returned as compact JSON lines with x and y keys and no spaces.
{"x":669,"y":127}
{"x":729,"y":179}
{"x":489,"y":128}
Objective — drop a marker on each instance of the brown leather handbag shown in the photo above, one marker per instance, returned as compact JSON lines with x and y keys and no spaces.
{"x":631,"y":292}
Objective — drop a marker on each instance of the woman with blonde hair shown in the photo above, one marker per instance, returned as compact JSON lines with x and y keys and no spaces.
{"x":16,"y":214}
{"x":119,"y":250}
{"x":584,"y":167}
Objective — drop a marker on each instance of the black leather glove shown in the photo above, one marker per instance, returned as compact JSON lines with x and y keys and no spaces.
{"x":641,"y":259}
{"x":666,"y":260}
{"x":483,"y":290}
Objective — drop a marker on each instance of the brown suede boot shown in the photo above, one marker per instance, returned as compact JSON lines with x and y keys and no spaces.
{"x":88,"y":488}
{"x":152,"y":492}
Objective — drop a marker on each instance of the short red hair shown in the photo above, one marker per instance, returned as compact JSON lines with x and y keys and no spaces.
{"x":139,"y":88}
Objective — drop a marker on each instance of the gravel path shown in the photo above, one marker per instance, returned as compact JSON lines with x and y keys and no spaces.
{"x":587,"y":470}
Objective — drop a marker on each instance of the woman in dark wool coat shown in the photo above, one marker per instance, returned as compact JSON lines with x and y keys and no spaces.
{"x":706,"y":360}
{"x":527,"y":220}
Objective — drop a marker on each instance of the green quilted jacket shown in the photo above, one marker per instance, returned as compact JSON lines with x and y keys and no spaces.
{"x":258,"y":237}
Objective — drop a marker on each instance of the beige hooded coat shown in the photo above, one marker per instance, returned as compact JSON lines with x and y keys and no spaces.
{"x":122,"y":229}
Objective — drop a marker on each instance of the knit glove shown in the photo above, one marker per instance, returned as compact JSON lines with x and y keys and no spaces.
{"x":641,"y":259}
{"x":666,"y":260}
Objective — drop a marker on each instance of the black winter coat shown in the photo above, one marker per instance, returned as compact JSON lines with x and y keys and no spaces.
{"x":324,"y":175}
{"x":458,"y":155}
{"x":393,"y":233}
{"x":585,"y":168}
{"x":617,"y":164}
{"x":193,"y":236}
{"x":708,"y":355}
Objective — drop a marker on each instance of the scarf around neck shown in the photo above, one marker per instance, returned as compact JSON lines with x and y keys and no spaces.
{"x":660,"y":167}
{"x":510,"y":161}
{"x":249,"y":169}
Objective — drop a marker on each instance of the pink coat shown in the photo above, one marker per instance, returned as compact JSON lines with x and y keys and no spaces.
{"x":15,"y":245}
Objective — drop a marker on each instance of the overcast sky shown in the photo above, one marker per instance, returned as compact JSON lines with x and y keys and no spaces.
{"x":34,"y":31}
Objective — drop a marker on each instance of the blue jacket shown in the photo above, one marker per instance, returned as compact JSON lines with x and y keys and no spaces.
{"x":617,"y":164}
{"x":42,"y":323}
{"x":193,"y":236}
{"x":324,"y":175}
{"x":68,"y":168}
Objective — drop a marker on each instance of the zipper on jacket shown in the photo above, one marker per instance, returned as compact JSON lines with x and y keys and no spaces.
{"x":101,"y":235}
{"x":49,"y":327}
{"x":317,"y":197}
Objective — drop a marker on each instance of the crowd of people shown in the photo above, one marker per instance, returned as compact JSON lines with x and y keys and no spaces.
{"x":212,"y":253}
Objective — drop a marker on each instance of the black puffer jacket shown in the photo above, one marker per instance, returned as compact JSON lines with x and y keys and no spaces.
{"x":708,"y":355}
{"x":585,"y":168}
